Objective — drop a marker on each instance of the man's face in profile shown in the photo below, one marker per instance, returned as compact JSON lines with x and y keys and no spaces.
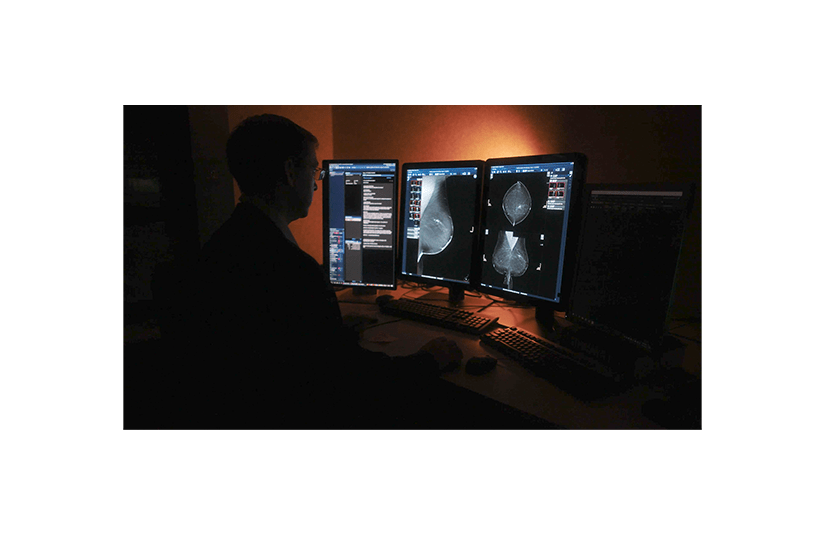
{"x":305,"y":174}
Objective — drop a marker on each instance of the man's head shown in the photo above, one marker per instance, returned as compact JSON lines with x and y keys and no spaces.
{"x":269,"y":154}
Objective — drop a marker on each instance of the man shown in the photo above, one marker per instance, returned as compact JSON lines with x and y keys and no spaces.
{"x":273,"y":349}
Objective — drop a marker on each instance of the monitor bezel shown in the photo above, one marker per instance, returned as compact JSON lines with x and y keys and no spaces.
{"x":475,"y":266}
{"x":325,"y":222}
{"x":689,"y":192}
{"x":574,"y":219}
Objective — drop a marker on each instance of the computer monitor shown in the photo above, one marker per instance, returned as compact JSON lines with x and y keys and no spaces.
{"x":529,"y":223}
{"x":628,"y":253}
{"x":438,"y":222}
{"x":360,"y":223}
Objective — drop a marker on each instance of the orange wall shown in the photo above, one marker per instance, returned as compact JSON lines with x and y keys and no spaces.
{"x":623,"y":143}
{"x":422,"y":133}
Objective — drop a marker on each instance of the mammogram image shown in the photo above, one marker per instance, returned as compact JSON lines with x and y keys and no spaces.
{"x":436,"y":231}
{"x":510,"y":257}
{"x":517,"y":203}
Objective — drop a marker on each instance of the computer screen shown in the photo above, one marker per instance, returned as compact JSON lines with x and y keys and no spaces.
{"x":530,"y":214}
{"x":439,"y":217}
{"x":628,"y":253}
{"x":360,"y":222}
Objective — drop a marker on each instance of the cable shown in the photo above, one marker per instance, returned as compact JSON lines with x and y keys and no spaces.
{"x":686,"y":338}
{"x":380,"y":324}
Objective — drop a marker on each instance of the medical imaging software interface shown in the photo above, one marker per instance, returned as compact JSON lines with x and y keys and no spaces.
{"x":525,"y":228}
{"x":438,"y":215}
{"x":361,"y":224}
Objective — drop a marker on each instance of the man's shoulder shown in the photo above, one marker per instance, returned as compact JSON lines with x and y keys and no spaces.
{"x":250,"y":237}
{"x":245,"y":220}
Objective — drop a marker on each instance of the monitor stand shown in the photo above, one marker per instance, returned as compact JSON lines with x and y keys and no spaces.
{"x":456,"y":294}
{"x":359,"y":294}
{"x":545,"y":316}
{"x":361,"y":290}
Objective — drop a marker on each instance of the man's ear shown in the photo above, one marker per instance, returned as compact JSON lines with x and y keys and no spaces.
{"x":289,"y":172}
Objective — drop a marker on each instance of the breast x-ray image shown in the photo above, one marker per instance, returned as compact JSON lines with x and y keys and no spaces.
{"x":436,"y":231}
{"x":440,"y":225}
{"x":517,"y":203}
{"x":510,"y":257}
{"x":520,"y":231}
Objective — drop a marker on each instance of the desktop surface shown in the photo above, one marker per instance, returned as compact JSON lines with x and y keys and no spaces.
{"x":509,"y":383}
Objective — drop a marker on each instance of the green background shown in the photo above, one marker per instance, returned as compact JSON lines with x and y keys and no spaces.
{"x":69,"y":466}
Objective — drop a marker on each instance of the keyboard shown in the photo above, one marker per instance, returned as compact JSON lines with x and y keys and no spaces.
{"x":572,"y":371}
{"x":449,"y":318}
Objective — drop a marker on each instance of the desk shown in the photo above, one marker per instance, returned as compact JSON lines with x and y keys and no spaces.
{"x":509,"y":384}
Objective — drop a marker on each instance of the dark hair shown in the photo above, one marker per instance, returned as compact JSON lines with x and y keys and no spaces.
{"x":259,"y":147}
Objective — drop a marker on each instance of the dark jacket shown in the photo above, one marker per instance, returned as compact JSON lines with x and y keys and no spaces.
{"x":272,"y":351}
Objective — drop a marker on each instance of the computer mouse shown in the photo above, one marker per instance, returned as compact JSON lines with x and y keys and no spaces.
{"x":480,"y":365}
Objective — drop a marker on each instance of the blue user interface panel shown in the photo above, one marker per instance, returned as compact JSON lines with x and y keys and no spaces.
{"x":361,"y":223}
